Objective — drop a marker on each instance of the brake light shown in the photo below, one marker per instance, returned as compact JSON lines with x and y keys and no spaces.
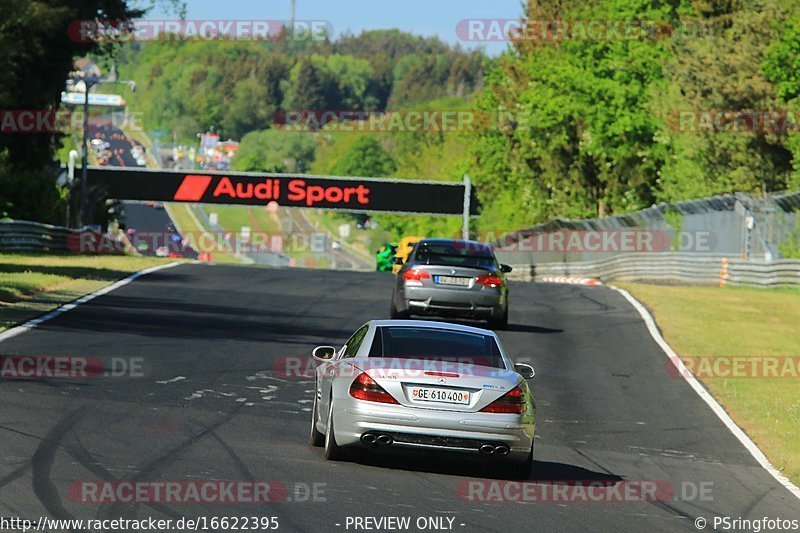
{"x":442,"y":374}
{"x":416,"y":275}
{"x":489,"y":281}
{"x":511,"y":402}
{"x":365,"y":388}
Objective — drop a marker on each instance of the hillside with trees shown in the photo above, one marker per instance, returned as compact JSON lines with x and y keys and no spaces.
{"x":592,"y":128}
{"x":701,"y":104}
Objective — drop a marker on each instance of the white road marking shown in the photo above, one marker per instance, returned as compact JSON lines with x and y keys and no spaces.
{"x":173,"y":380}
{"x":701,"y":391}
{"x":31,"y":324}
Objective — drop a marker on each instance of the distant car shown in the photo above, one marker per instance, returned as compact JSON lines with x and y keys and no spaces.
{"x":404,"y":248}
{"x":452,"y":278}
{"x":384,"y":256}
{"x":162,"y":251}
{"x":425,"y":386}
{"x":336,"y":245}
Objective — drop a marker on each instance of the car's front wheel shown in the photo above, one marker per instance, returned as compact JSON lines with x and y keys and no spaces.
{"x":333,"y":452}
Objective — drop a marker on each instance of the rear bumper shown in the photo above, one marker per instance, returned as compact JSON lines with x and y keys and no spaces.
{"x":433,"y":430}
{"x":485,"y":303}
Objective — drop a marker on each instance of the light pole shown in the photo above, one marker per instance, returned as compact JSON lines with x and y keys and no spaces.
{"x":89,"y":82}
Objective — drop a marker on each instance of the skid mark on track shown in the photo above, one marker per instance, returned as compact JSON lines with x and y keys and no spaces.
{"x":85,"y":458}
{"x":43,"y":460}
{"x":155,"y":467}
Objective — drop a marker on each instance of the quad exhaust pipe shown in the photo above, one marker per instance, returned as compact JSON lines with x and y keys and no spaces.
{"x":372,"y":438}
{"x":490,"y":449}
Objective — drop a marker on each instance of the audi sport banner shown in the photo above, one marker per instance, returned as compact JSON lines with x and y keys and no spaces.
{"x":292,"y":190}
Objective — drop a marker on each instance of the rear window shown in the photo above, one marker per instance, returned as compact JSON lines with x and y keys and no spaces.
{"x":431,"y":344}
{"x":455,"y":253}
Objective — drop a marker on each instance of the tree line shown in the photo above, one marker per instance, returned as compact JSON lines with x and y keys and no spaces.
{"x":580,"y":125}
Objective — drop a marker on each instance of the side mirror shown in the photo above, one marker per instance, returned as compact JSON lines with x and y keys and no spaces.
{"x":397,"y":260}
{"x":526,"y":371}
{"x":324,"y":353}
{"x":506,"y":268}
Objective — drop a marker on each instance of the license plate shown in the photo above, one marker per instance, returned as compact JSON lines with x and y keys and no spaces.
{"x":450,"y":280}
{"x":427,"y":394}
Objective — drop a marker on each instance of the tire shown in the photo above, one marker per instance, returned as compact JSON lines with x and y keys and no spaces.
{"x":500,"y":323}
{"x":395,"y":314}
{"x":315,"y":438}
{"x":333,"y":452}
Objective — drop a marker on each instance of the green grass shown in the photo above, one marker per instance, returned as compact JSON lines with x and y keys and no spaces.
{"x":32,"y":284}
{"x":738,"y":321}
{"x":16,"y":285}
{"x":186,"y":225}
{"x":234,"y":217}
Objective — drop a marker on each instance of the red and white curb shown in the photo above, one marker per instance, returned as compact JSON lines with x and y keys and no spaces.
{"x":570,"y":280}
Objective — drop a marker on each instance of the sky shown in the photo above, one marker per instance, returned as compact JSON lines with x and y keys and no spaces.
{"x":421,"y":17}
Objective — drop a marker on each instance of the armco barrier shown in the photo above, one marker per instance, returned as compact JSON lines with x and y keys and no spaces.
{"x":672,"y":267}
{"x":26,"y":236}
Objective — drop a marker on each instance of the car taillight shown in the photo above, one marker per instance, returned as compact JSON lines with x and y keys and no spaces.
{"x":416,"y":275}
{"x":489,"y":281}
{"x":511,"y":402}
{"x":365,"y":388}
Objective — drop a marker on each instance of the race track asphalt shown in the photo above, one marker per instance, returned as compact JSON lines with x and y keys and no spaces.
{"x":214,"y":403}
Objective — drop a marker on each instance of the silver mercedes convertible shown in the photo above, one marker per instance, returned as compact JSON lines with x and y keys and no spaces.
{"x":431,"y":386}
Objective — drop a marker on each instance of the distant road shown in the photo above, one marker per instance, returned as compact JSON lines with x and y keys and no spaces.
{"x":150,"y":222}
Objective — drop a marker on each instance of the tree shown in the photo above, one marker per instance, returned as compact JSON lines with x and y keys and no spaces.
{"x":274,"y":151}
{"x":37,"y":57}
{"x":782,"y":67}
{"x":249,"y":109}
{"x":716,"y":67}
{"x":311,"y":88}
{"x":355,"y":82}
{"x":573,"y":133}
{"x":365,"y":158}
{"x":187,"y":86}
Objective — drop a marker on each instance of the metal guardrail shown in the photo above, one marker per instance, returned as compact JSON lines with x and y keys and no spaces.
{"x":672,"y":267}
{"x":24,"y":236}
